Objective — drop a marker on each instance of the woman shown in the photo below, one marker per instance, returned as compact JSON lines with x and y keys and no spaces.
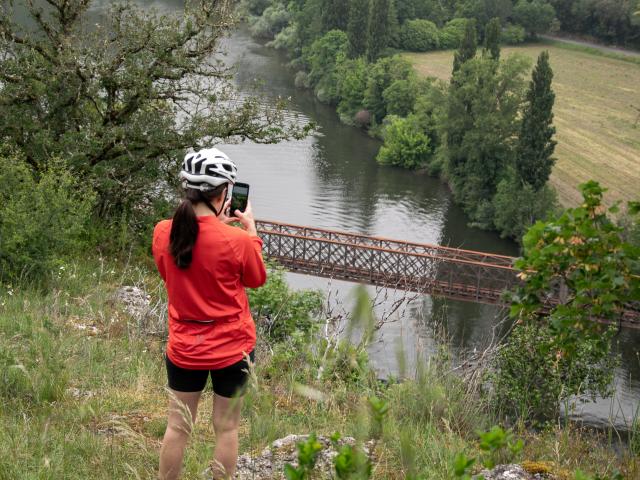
{"x":206,"y":264}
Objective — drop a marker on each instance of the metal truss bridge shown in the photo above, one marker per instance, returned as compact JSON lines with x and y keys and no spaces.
{"x":430,"y":269}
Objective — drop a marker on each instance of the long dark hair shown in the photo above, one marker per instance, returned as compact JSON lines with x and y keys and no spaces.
{"x":184,"y":230}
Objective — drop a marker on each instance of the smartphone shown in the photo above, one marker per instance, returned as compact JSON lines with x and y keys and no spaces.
{"x":239,"y":197}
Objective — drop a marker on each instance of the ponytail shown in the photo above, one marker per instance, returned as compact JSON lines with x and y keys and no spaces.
{"x":184,"y":232}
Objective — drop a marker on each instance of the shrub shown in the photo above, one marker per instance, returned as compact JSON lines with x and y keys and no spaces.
{"x":381,"y":75}
{"x":280,"y":311}
{"x":513,"y":34}
{"x":452,"y":33}
{"x":400,"y":97}
{"x":352,"y":81}
{"x":518,"y":207}
{"x":285,"y":39}
{"x":42,"y":218}
{"x":405,"y":144}
{"x":532,"y":379}
{"x":419,"y":36}
{"x":273,"y":20}
{"x":324,"y":57}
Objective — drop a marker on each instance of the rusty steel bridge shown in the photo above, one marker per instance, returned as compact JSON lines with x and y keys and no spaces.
{"x":432,"y":269}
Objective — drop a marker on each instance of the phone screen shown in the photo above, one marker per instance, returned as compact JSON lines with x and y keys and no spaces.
{"x":239,"y":197}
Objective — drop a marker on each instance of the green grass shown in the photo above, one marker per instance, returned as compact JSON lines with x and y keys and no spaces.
{"x":78,"y":403}
{"x":596,"y":116}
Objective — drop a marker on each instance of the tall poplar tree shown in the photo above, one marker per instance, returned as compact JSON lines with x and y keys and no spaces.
{"x":534,"y":159}
{"x":335,"y":15}
{"x":492,"y":38}
{"x":379,"y":34}
{"x":358,"y":27}
{"x":468,"y":46}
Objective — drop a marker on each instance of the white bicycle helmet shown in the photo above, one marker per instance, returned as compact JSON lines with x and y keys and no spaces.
{"x":207,"y":169}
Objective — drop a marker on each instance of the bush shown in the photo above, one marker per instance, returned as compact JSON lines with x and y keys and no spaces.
{"x":273,"y":20}
{"x":285,"y":39}
{"x":324,"y":57}
{"x":518,"y":207}
{"x":452,"y":33}
{"x":532,"y":379}
{"x":42,"y":218}
{"x":513,"y":34}
{"x":536,"y":16}
{"x":400,"y":97}
{"x":381,"y":75}
{"x":419,"y":36}
{"x":405,"y":145}
{"x":352,"y":81}
{"x":280,"y":311}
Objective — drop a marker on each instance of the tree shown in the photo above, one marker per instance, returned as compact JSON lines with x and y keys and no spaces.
{"x":378,"y":32}
{"x":535,"y":16}
{"x":357,"y":27}
{"x":452,"y":33}
{"x":480,"y":127}
{"x":405,"y":144}
{"x":335,"y":15}
{"x":468,"y":46}
{"x":323,"y":57}
{"x":534,"y":157}
{"x":576,"y":269}
{"x":120,"y":103}
{"x":419,"y":36}
{"x":351,"y":85}
{"x":492,"y":38}
{"x":381,"y":75}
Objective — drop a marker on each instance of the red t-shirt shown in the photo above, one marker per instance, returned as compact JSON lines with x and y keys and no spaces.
{"x":210,"y":324}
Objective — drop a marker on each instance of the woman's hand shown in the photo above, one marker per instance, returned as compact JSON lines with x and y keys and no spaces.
{"x":244,"y":218}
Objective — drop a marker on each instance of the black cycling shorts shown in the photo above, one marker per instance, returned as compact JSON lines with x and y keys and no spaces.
{"x":227,"y":382}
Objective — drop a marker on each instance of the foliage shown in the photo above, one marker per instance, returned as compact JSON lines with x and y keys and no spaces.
{"x":280,"y":311}
{"x":532,"y":378}
{"x":492,"y":38}
{"x":613,"y":22}
{"x":351,"y":85}
{"x":513,"y":34}
{"x":468,"y":46}
{"x":335,"y":15}
{"x":106,"y":99}
{"x":254,"y":7}
{"x":273,"y":20}
{"x":497,"y":446}
{"x":308,"y":452}
{"x":43,"y":218}
{"x":405,"y":144}
{"x":323,"y":58}
{"x":536,"y":16}
{"x":480,"y":127}
{"x":482,"y":11}
{"x":581,"y":257}
{"x":357,"y":26}
{"x":518,"y":206}
{"x":379,"y":31}
{"x":559,"y":350}
{"x":285,"y":39}
{"x":400,"y":97}
{"x":381,"y":75}
{"x":419,"y":36}
{"x":534,"y":154}
{"x":452,"y":33}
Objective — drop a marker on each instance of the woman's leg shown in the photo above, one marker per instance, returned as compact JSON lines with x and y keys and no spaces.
{"x":226,"y":420}
{"x":183,"y":407}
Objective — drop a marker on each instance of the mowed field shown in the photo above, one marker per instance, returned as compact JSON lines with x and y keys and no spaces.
{"x":597,"y":116}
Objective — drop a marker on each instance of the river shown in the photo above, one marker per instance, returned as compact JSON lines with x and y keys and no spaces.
{"x":331,"y":179}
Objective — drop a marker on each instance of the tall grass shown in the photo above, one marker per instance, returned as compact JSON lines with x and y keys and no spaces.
{"x":82,"y":395}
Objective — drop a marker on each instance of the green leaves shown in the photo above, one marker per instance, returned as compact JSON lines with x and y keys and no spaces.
{"x":307,"y":455}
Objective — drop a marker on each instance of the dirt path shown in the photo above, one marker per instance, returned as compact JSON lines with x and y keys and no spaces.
{"x":584,"y":43}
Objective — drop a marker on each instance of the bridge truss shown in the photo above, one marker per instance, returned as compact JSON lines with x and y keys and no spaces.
{"x":432,"y":269}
